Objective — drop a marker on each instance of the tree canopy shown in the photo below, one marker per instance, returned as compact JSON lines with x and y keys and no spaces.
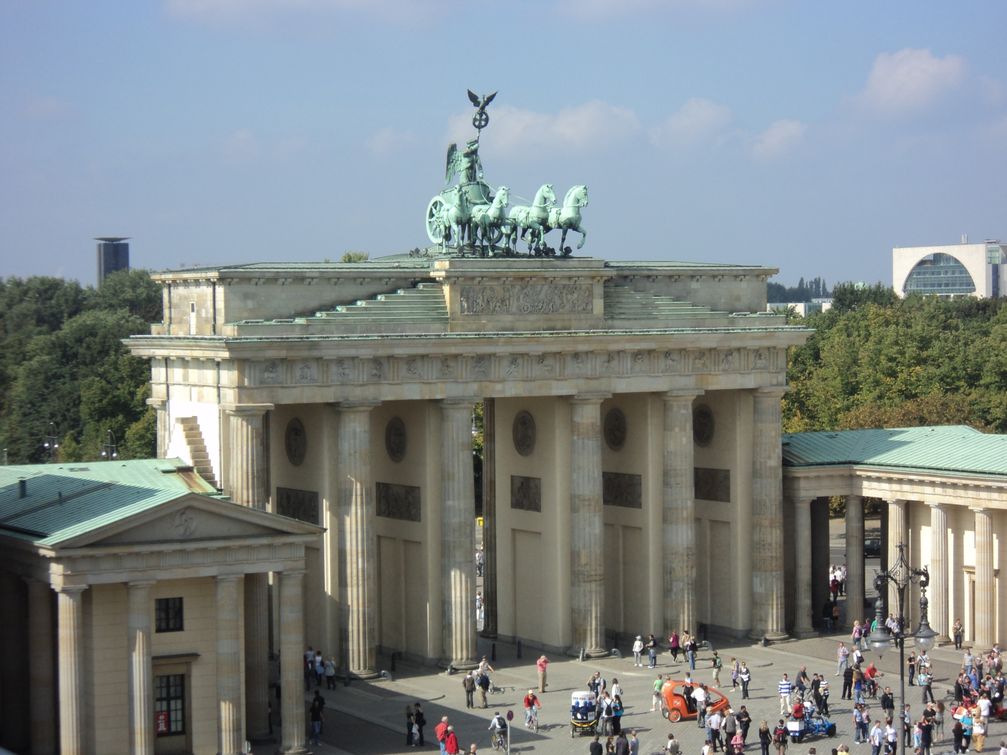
{"x":878,"y":361}
{"x":64,"y":370}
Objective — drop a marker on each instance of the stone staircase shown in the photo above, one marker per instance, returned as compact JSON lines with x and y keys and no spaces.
{"x":424,"y":303}
{"x":197,"y":449}
{"x":624,"y":303}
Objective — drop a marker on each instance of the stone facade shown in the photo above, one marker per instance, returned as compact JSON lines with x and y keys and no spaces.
{"x":377,"y":367}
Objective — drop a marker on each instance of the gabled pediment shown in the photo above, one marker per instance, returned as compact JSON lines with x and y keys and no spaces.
{"x":192,"y":519}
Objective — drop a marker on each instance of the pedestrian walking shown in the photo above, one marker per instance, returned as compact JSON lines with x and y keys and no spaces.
{"x":718,"y":663}
{"x":744,"y":676}
{"x":469,"y":684}
{"x":784,"y":689}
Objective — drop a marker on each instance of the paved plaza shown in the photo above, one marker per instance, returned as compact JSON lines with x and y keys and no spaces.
{"x":369,"y":717}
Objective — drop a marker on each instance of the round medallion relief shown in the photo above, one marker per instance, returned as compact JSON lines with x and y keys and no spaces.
{"x":524,"y":433}
{"x":615,"y":429}
{"x":395,"y":439}
{"x":295,"y":440}
{"x":702,"y":425}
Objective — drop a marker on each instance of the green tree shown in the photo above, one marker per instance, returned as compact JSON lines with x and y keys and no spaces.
{"x":132,"y":290}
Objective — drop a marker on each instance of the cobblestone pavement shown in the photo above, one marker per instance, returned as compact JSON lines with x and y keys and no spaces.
{"x":368,"y":717}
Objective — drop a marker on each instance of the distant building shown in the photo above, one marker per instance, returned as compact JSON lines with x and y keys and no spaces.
{"x":952,"y":270}
{"x":802,"y":308}
{"x":113,"y":255}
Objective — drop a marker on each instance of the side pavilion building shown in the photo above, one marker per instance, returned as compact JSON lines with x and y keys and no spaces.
{"x":125,"y":594}
{"x":944,"y":494}
{"x":632,"y":461}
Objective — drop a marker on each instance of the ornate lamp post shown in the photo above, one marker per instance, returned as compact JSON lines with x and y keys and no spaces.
{"x":901,"y":575}
{"x":51,"y":444}
{"x":109,"y":449}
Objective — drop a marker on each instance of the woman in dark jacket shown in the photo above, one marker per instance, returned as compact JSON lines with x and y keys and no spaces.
{"x":765,"y":737}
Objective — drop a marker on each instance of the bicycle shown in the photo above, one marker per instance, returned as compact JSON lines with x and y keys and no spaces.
{"x":532,"y":722}
{"x":499,"y":740}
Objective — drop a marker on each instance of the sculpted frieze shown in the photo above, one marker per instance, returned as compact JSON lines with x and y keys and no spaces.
{"x":539,"y":366}
{"x":534,"y":299}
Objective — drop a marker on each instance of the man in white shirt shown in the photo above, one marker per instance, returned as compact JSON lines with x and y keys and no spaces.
{"x":699,"y":695}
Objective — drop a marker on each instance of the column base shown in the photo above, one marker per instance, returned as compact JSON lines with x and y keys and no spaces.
{"x":363,"y":674}
{"x":294,"y":751}
{"x":770,"y":636}
{"x":804,"y":634}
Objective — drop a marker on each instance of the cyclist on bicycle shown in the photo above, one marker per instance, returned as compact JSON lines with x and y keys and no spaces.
{"x":531,"y":706}
{"x":499,"y":728}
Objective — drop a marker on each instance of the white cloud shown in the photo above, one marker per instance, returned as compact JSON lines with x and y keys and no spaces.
{"x":910,"y":80}
{"x":698,"y":121}
{"x":603,"y":9}
{"x":241,"y":146}
{"x":217,"y":11}
{"x":516,"y":131}
{"x":778,"y":139}
{"x":388,"y":140}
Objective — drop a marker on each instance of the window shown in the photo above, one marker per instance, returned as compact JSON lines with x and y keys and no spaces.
{"x":169,"y":704}
{"x":939,"y":274}
{"x":168,"y":615}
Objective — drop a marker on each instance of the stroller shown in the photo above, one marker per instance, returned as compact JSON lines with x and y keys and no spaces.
{"x":583,"y":713}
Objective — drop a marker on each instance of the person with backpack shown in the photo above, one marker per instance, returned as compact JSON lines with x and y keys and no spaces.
{"x":780,"y":738}
{"x":483,"y":682}
{"x":718,"y":664}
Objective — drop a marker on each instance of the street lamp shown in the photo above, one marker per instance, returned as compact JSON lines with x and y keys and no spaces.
{"x":901,"y":575}
{"x":51,"y":444}
{"x":109,"y":450}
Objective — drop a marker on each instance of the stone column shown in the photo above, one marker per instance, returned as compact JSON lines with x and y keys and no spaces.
{"x":985,"y":608}
{"x":457,"y":533}
{"x":247,"y":484}
{"x":803,"y":612}
{"x":768,"y":590}
{"x":161,"y":412}
{"x":246,"y":473}
{"x":939,"y":587}
{"x":854,"y":559}
{"x":358,"y":543}
{"x":41,"y":692}
{"x":141,"y":672}
{"x":679,"y":514}
{"x":898,"y":532}
{"x":489,"y":518}
{"x":587,"y":535}
{"x":256,"y":599}
{"x":230,"y":731}
{"x":71,"y":670}
{"x":292,"y":661}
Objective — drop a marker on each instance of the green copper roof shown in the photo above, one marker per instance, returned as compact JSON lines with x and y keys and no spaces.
{"x":61,"y":501}
{"x":954,"y":448}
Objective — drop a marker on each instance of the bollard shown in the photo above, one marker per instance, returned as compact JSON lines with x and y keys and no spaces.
{"x":583,"y":655}
{"x":519,"y":648}
{"x":493,"y":652}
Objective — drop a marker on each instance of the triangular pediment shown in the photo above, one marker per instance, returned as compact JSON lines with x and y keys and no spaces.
{"x":191,"y":519}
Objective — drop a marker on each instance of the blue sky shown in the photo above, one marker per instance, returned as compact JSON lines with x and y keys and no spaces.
{"x":807,"y":136}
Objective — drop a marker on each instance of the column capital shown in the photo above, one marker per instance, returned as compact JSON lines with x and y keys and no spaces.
{"x":157,"y":403}
{"x":362,"y":405}
{"x":771,"y":391}
{"x":293,"y":572}
{"x":72,"y":589}
{"x":803,"y":500}
{"x":229,"y":577}
{"x":683,"y":395}
{"x":979,"y":509}
{"x":939,"y":505}
{"x":590,"y":398}
{"x":141,"y":584}
{"x":247,"y":410}
{"x":460,"y":401}
{"x":30,"y":581}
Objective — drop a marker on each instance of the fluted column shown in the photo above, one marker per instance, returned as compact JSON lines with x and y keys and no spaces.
{"x":802,"y":566}
{"x":938,"y":592}
{"x":357,"y":538}
{"x":985,"y":597}
{"x":71,"y":670}
{"x":161,"y":413}
{"x":141,"y":674}
{"x":256,"y":598}
{"x":679,"y":513}
{"x":855,"y":559}
{"x":246,"y":475}
{"x":489,"y":518}
{"x":768,"y":590}
{"x":587,"y":541}
{"x":898,"y":532}
{"x":41,"y":692}
{"x":292,"y":661}
{"x":457,"y":532}
{"x":230,"y":731}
